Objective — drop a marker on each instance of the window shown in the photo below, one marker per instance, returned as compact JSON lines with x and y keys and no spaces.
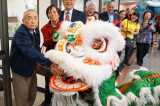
{"x":16,"y":8}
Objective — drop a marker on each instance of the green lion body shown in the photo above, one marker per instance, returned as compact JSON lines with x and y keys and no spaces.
{"x":146,"y":80}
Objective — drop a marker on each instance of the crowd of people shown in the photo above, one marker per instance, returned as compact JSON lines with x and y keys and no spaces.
{"x":25,"y":49}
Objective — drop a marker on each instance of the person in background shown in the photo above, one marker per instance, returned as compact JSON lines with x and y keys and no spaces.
{"x":104,"y":9}
{"x":153,"y":34}
{"x":157,"y":20}
{"x":71,"y":14}
{"x":90,"y":8}
{"x":53,"y":13}
{"x":144,"y":37}
{"x":128,"y":13}
{"x":122,"y":15}
{"x":96,"y":15}
{"x":109,"y":15}
{"x":116,"y":11}
{"x":25,"y":52}
{"x":129,"y":28}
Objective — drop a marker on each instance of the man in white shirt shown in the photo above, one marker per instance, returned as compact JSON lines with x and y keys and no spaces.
{"x":109,"y":15}
{"x":71,"y":14}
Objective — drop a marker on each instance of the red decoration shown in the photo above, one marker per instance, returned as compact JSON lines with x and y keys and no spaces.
{"x":116,"y":22}
{"x":58,"y":26}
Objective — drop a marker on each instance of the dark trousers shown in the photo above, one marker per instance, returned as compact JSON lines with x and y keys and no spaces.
{"x":48,"y":94}
{"x":142,"y":50}
{"x":118,"y":70}
{"x":127,"y":55}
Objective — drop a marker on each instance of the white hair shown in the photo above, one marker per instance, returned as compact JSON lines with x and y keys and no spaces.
{"x":29,"y":10}
{"x":91,"y":2}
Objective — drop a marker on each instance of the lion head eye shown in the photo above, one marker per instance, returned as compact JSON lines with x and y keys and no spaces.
{"x":71,"y":38}
{"x":100,"y":44}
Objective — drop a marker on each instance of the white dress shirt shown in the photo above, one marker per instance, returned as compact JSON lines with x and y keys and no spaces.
{"x":70,"y":14}
{"x":111,"y":17}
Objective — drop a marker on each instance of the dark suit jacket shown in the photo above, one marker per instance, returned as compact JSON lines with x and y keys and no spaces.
{"x":24,"y":53}
{"x":76,"y":16}
{"x":104,"y":17}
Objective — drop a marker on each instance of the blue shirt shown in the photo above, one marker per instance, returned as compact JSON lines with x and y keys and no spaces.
{"x":32,"y":31}
{"x":111,"y":17}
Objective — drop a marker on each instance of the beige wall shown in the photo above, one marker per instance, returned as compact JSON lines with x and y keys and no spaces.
{"x":43,"y":4}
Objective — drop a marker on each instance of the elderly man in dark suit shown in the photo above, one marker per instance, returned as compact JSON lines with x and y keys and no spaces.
{"x":24,"y":54}
{"x":71,"y":14}
{"x":109,"y":15}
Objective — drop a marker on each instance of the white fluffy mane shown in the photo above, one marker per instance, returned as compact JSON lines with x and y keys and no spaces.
{"x":100,"y":29}
{"x":91,"y":74}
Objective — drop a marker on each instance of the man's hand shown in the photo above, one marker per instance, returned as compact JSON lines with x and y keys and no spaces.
{"x":56,"y":68}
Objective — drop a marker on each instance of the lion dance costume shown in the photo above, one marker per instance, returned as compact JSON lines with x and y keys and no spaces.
{"x":88,"y":55}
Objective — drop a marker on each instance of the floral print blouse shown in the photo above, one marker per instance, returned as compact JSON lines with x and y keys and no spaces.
{"x":145,"y":34}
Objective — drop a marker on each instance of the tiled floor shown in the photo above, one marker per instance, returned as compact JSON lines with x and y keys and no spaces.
{"x":151,"y":62}
{"x":38,"y":101}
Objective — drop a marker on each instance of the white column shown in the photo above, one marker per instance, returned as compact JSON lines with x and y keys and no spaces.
{"x":97,"y":2}
{"x":116,"y":3}
{"x":43,"y":4}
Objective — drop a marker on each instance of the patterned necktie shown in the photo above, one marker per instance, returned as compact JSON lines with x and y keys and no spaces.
{"x":34,"y":38}
{"x":67,"y":16}
{"x":34,"y":42}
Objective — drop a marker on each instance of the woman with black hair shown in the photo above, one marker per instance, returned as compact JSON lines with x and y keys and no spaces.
{"x":145,"y":36}
{"x":129,"y":28}
{"x":53,"y":14}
